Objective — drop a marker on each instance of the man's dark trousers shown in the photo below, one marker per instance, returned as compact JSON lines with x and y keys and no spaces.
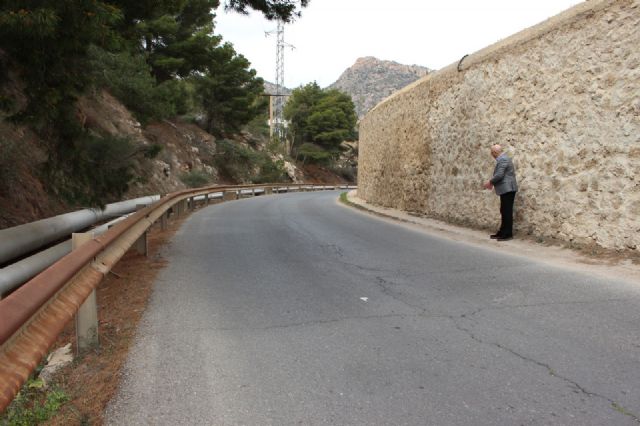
{"x":506,"y":214}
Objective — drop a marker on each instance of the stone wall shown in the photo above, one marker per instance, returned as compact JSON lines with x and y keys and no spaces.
{"x":562,"y":97}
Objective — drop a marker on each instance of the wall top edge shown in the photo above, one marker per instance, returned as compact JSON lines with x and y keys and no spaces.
{"x":522,"y":37}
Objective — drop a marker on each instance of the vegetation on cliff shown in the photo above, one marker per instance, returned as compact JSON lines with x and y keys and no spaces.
{"x":160,"y":59}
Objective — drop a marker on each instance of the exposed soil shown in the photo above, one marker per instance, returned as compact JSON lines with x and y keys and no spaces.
{"x":23,"y":197}
{"x":92,"y":379}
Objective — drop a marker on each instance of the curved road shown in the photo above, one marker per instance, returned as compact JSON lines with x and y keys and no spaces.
{"x":294,"y":309}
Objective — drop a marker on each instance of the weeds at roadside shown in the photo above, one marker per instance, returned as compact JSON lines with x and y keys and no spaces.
{"x":34,"y":404}
{"x":345,"y":200}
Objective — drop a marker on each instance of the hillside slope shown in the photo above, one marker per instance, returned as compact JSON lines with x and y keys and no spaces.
{"x":185,"y":151}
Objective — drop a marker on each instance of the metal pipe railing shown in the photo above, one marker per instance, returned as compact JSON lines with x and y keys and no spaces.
{"x":23,"y":239}
{"x":12,"y":276}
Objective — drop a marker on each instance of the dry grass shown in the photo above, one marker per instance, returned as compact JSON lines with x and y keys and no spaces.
{"x":93,"y":378}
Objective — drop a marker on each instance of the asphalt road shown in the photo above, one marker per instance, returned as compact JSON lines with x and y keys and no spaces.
{"x":294,"y":309}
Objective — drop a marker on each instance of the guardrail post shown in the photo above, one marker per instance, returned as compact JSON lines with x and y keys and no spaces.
{"x":87,"y":315}
{"x":206,"y":197}
{"x":163,"y":220}
{"x":142,"y":245}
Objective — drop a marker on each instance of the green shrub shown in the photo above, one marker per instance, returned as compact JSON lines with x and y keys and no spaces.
{"x":7,"y":104}
{"x":270,"y":171}
{"x":323,"y":117}
{"x":241,"y":164}
{"x":234,"y":161}
{"x":310,"y":153}
{"x":108,"y":166}
{"x":33,"y":405}
{"x":151,"y":151}
{"x":93,"y":169}
{"x":195,"y":179}
{"x":259,"y":128}
{"x":175,"y":96}
{"x":10,"y":156}
{"x":128,"y":77}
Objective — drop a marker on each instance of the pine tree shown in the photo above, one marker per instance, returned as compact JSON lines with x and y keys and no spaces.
{"x":286,"y":10}
{"x":229,"y":91}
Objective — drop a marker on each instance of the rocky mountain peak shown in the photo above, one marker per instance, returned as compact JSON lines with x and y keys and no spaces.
{"x":369,"y":80}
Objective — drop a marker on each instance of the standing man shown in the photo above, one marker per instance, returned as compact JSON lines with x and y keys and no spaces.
{"x":504,"y":182}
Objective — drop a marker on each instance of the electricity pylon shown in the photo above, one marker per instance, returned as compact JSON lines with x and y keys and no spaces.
{"x":278,"y":128}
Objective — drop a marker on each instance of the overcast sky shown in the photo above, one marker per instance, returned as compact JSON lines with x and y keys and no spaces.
{"x":332,"y":34}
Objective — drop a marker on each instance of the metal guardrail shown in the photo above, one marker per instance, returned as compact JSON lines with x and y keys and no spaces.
{"x":33,"y":316}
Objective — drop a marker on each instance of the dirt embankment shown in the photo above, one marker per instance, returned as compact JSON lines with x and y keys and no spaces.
{"x":24,"y":195}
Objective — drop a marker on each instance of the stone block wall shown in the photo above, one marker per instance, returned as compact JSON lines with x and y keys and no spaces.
{"x":562,"y":97}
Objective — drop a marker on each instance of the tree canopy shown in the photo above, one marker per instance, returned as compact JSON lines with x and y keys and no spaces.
{"x":285,"y":10}
{"x":229,"y":91}
{"x":324,"y":118}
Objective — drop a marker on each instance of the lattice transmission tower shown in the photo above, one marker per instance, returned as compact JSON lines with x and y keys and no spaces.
{"x":278,"y":99}
{"x":279,"y":109}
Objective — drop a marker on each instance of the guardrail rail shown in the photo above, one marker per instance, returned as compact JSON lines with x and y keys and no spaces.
{"x":32,"y":317}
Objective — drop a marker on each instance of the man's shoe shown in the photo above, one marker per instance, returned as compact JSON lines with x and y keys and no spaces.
{"x":494,"y":236}
{"x":504,"y":238}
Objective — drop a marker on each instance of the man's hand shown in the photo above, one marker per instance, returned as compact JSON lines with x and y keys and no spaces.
{"x":488,"y":185}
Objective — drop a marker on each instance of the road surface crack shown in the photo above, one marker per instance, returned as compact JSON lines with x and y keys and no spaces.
{"x":536,"y":305}
{"x":336,"y":320}
{"x":614,"y":405}
{"x":385,"y":288}
{"x":310,"y":323}
{"x":335,"y":249}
